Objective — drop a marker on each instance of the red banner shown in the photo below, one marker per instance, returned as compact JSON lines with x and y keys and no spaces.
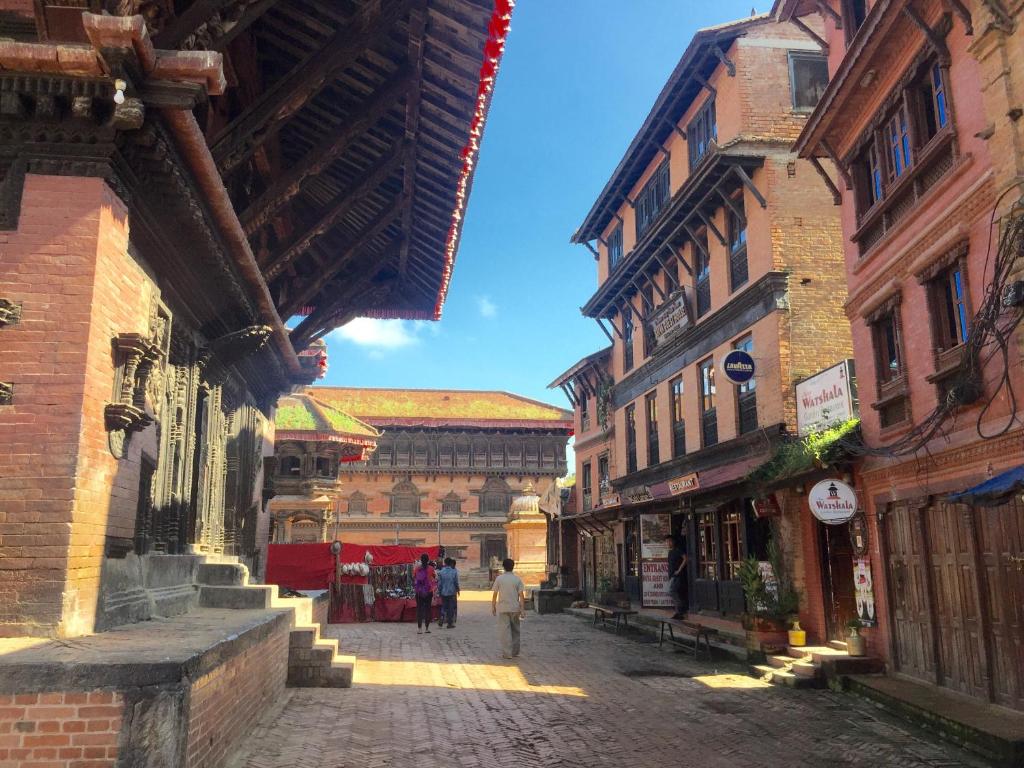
{"x":311,"y":566}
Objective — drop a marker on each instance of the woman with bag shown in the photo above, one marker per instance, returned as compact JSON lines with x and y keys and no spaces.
{"x":423,"y":581}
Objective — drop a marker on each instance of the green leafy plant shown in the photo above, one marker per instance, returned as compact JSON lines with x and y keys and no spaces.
{"x":777,"y":599}
{"x":854,"y":624}
{"x":816,"y":451}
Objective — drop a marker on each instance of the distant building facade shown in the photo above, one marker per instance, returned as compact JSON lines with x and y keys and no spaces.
{"x":447,"y":466}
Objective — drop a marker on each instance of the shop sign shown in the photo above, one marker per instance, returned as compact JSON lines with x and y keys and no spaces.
{"x":766,"y":507}
{"x":610,"y":500}
{"x":636,"y":495}
{"x":672,"y":317}
{"x":654,"y":577}
{"x":683,"y":484}
{"x":738,"y":366}
{"x":653,"y":530}
{"x":826,"y":399}
{"x":832,"y":501}
{"x":864,"y":591}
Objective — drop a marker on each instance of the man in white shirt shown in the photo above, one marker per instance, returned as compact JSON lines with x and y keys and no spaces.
{"x":508,"y":601}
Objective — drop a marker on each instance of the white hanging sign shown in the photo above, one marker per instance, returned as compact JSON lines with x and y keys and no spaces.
{"x":832,"y":501}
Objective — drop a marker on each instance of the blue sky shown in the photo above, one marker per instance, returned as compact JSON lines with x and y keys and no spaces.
{"x":577,"y":79}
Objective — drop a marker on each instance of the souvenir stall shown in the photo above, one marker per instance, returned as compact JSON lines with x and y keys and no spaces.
{"x":367,"y":583}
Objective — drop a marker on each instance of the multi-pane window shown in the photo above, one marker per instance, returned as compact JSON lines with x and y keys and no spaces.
{"x":934,"y":114}
{"x":630,"y":438}
{"x":325,"y":466}
{"x":702,"y":272}
{"x":678,"y":423}
{"x":615,"y":248}
{"x":584,"y":409}
{"x":854,"y":12}
{"x":357,"y":504}
{"x":585,"y":484}
{"x":652,"y":199}
{"x":648,"y":298}
{"x":867,"y":169}
{"x":701,"y":133}
{"x":737,"y":225}
{"x":451,"y":505}
{"x":419,"y":455}
{"x":603,"y":478}
{"x":405,"y":499}
{"x":708,"y":414}
{"x":888,"y":354}
{"x":808,"y":78}
{"x":746,"y":397}
{"x":653,"y":450}
{"x":446,"y":454}
{"x":897,"y":136}
{"x":949,"y":301}
{"x":707,"y":548}
{"x":462,"y":454}
{"x":403,"y":451}
{"x":627,"y":339}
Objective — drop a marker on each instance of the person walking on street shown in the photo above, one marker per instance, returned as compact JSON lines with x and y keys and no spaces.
{"x":508,"y":602}
{"x":448,"y":588}
{"x":424,"y":580}
{"x":677,"y":582}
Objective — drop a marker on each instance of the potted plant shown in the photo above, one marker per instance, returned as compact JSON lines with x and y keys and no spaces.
{"x":855,"y":645}
{"x":771,"y":605}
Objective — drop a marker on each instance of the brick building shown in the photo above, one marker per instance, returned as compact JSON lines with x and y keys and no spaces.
{"x":712,"y":236}
{"x":178,"y":179}
{"x":919,"y":121}
{"x":447,"y":466}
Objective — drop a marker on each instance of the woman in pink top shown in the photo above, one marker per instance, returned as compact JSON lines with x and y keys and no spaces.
{"x":424,"y":581}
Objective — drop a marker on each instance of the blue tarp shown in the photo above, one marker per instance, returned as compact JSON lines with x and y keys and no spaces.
{"x":993,"y":491}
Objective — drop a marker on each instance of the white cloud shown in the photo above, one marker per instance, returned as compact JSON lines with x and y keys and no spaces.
{"x":380,"y":335}
{"x":487,"y":307}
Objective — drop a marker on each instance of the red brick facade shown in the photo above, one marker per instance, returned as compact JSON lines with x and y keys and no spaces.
{"x":62,"y":730}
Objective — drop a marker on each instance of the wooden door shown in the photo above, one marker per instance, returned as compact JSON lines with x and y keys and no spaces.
{"x":840,"y":590}
{"x":954,"y":582}
{"x":908,"y":586}
{"x":1000,"y":532}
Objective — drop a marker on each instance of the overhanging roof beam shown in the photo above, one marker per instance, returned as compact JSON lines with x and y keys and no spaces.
{"x":605,"y":330}
{"x":936,"y":40}
{"x":417,"y":27}
{"x":592,"y":249}
{"x":837,"y":198}
{"x":359,"y":242}
{"x":369,"y":180}
{"x":749,"y":184}
{"x":197,"y":14}
{"x":965,"y":15}
{"x":698,"y":244}
{"x":827,"y":10}
{"x":711,"y":227}
{"x":797,"y":22}
{"x":569,"y":396}
{"x":264,"y":117}
{"x":707,"y":86}
{"x":731,"y":205}
{"x":288,"y":185}
{"x":726,"y":61}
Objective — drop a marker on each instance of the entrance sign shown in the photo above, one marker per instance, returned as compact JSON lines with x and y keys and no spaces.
{"x":833,"y":502}
{"x":825,"y":399}
{"x":637,"y":495}
{"x":738,"y":366}
{"x":671,"y":318}
{"x":655,"y":584}
{"x":653,"y":530}
{"x":864,"y":590}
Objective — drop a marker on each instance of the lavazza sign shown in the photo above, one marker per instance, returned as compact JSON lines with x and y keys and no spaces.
{"x":826,"y":398}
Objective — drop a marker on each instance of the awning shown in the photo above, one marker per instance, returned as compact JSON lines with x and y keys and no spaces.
{"x":994,"y":491}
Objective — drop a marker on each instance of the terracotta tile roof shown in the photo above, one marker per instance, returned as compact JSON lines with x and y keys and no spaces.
{"x":382,"y":407}
{"x":302,"y":416}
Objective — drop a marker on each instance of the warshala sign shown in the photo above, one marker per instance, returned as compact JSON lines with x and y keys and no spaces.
{"x":832,"y":501}
{"x":825,"y":399}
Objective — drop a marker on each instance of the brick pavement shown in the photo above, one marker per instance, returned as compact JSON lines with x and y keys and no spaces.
{"x":577,"y":697}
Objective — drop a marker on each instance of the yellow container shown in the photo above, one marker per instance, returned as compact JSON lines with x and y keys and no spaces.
{"x":797,"y":636}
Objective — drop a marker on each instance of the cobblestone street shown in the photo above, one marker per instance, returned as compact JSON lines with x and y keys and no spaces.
{"x":577,"y":697}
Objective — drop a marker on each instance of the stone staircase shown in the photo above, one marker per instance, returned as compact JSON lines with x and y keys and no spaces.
{"x":813,"y":666}
{"x":475,"y":578}
{"x":313,"y":661}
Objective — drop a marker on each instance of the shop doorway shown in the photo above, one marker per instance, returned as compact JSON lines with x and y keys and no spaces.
{"x":492,"y":548}
{"x":837,"y":578}
{"x":722,"y":539}
{"x":956,"y":585}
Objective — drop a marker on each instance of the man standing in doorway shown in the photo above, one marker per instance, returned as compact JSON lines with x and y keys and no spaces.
{"x":677,"y":582}
{"x":508,"y":601}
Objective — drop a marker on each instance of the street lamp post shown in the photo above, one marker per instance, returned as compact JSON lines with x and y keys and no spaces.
{"x":440,"y":510}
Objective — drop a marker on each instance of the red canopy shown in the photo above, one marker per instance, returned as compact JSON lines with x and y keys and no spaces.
{"x":311,"y":566}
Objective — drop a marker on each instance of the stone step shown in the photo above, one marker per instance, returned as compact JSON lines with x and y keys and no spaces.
{"x":303,"y":607}
{"x":839,"y":645}
{"x":222,"y":574}
{"x":249,"y":597}
{"x":780,"y":662}
{"x":782,"y":677}
{"x":805,"y":669}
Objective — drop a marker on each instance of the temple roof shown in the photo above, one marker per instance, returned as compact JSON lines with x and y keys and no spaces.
{"x":303,"y":417}
{"x":443,"y":407}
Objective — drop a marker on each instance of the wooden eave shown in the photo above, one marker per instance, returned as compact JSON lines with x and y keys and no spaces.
{"x":684,"y":85}
{"x":698,"y":194}
{"x":846,"y":100}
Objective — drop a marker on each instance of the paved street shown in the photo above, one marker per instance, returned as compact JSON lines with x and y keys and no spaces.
{"x":577,"y":697}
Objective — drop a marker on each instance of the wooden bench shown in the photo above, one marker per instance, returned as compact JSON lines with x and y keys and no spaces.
{"x":604,"y":612}
{"x":688,"y":629}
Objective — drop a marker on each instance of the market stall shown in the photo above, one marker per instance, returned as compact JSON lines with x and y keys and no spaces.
{"x":367,"y":582}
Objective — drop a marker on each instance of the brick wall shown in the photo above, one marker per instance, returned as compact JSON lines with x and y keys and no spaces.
{"x":61,"y":491}
{"x":226,"y":702}
{"x":60,"y":730}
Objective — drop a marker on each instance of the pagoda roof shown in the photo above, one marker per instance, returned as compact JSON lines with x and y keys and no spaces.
{"x":302,"y":416}
{"x":444,"y":407}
